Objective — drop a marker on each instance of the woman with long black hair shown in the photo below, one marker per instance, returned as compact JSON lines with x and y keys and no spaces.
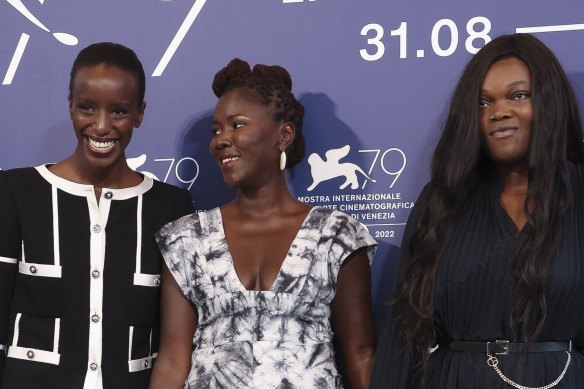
{"x":492,"y":264}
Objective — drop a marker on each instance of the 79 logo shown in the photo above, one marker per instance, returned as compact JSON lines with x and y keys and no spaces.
{"x":392,"y":162}
{"x":184,"y":170}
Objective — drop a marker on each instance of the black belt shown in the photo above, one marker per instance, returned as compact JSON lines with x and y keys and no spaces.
{"x":504,"y":347}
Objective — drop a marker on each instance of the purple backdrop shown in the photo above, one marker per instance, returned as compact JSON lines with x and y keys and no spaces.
{"x":375,"y":77}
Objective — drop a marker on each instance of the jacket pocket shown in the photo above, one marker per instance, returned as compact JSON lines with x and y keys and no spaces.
{"x":145,"y":300}
{"x":35,"y":339}
{"x":38,"y":289}
{"x":141,"y":353}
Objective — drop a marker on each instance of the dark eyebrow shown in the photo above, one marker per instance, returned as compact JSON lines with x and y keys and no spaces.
{"x":517,"y":83}
{"x":510,"y":85}
{"x":230,"y":117}
{"x":236,"y":115}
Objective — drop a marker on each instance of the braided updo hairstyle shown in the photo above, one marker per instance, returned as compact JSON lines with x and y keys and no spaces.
{"x":273,"y":86}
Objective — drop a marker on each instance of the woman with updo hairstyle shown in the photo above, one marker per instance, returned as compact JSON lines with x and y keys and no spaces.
{"x":491,"y":274}
{"x":253,"y":289}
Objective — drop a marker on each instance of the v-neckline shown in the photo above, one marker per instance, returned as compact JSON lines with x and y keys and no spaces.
{"x":505,"y":218}
{"x":233,"y":272}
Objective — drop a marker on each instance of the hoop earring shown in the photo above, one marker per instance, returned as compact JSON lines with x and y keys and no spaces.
{"x":282,"y":160}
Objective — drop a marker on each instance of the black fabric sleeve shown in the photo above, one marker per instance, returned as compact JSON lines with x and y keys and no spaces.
{"x":10,"y":251}
{"x":578,"y":199}
{"x":393,"y":360}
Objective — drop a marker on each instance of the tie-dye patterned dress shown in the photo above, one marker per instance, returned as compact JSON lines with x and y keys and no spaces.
{"x":278,"y":338}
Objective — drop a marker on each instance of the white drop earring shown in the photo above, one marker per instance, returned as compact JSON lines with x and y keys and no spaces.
{"x":282,"y":160}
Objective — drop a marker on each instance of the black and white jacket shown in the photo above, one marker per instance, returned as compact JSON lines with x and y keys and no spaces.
{"x":79,"y":281}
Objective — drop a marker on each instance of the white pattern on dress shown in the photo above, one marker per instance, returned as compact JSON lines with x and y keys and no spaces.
{"x":279,"y":338}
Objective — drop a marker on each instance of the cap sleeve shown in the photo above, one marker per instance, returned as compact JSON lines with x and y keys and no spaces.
{"x":177,"y":248}
{"x":347,"y":235}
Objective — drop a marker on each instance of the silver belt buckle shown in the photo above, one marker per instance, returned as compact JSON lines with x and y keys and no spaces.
{"x":504,"y":344}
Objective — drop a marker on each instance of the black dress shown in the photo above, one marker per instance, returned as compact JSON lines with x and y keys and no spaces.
{"x":79,"y":281}
{"x":474,"y":285}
